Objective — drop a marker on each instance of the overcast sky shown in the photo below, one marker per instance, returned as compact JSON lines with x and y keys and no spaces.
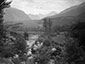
{"x":44,"y":6}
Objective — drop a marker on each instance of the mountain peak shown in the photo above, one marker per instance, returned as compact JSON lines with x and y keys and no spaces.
{"x":83,"y":3}
{"x":52,"y":13}
{"x":72,"y":11}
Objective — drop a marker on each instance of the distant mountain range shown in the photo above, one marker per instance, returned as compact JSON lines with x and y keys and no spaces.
{"x":69,"y":16}
{"x":51,"y":13}
{"x":33,"y":17}
{"x":72,"y":11}
{"x":13,"y":15}
{"x":40,"y":16}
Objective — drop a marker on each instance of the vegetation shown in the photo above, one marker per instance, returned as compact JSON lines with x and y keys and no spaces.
{"x":3,"y":4}
{"x":78,"y":33}
{"x":71,"y":51}
{"x":45,"y":50}
{"x":11,"y":43}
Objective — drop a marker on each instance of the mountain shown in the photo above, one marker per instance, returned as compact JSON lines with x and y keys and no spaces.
{"x":13,"y":14}
{"x":69,"y":16}
{"x":40,"y":16}
{"x":52,"y":13}
{"x":36,"y":17}
{"x":72,"y":11}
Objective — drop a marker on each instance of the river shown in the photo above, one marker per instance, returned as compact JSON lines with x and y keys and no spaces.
{"x":32,"y":39}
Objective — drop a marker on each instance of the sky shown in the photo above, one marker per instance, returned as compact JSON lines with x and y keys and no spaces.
{"x":43,"y":6}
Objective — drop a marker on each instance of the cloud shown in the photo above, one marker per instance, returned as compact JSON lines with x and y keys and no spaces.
{"x":31,"y":1}
{"x":44,"y":6}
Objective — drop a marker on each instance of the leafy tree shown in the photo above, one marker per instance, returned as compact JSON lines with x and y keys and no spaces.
{"x":11,"y":43}
{"x":47,"y":24}
{"x":75,"y":47}
{"x":3,"y":4}
{"x":78,"y":31}
{"x":26,"y":35}
{"x":19,"y":44}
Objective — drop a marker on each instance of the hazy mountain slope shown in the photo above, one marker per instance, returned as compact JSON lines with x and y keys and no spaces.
{"x":13,"y":14}
{"x":40,"y":16}
{"x":72,"y":11}
{"x":69,"y":15}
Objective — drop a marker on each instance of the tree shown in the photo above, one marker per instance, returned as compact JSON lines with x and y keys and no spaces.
{"x":75,"y":47}
{"x":47,"y":24}
{"x":78,"y":31}
{"x":26,"y":35}
{"x":50,"y":50}
{"x":11,"y":43}
{"x":19,"y":45}
{"x":3,"y":4}
{"x":74,"y":52}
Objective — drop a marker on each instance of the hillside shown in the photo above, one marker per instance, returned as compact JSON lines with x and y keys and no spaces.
{"x":69,"y":16}
{"x":13,"y":15}
{"x":72,"y":11}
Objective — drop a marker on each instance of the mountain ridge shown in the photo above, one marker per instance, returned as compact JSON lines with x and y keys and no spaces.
{"x":40,"y":16}
{"x":13,"y":14}
{"x":72,"y":11}
{"x":69,"y":16}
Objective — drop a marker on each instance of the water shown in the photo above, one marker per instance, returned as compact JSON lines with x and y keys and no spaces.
{"x":32,"y":39}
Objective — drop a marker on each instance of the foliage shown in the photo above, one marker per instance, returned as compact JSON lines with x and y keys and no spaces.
{"x":14,"y":44}
{"x":74,"y":41}
{"x":74,"y":52}
{"x":20,"y":45}
{"x":78,"y":31}
{"x":75,"y":47}
{"x":11,"y":43}
{"x":47,"y":24}
{"x":70,"y":52}
{"x":49,"y":50}
{"x":3,"y":4}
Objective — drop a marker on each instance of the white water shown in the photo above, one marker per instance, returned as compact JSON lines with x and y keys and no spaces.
{"x":32,"y":39}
